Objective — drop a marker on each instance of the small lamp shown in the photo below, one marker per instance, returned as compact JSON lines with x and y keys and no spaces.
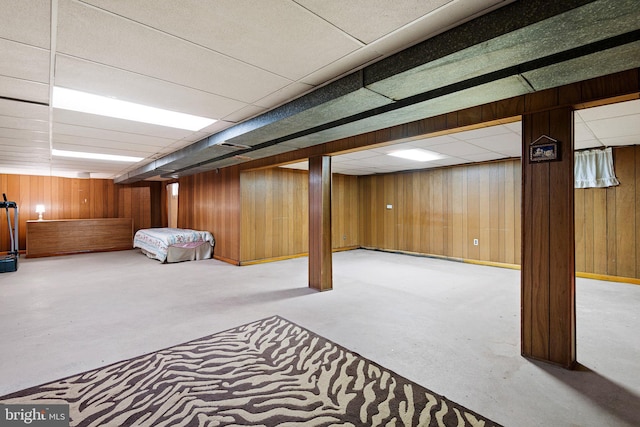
{"x":39,"y":211}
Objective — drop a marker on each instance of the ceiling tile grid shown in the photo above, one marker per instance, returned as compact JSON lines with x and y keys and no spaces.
{"x":233,"y":61}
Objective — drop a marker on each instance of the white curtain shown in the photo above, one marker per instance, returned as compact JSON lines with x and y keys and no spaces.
{"x":594,"y":168}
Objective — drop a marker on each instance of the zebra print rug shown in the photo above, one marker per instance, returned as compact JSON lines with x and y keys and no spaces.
{"x":267,"y":373}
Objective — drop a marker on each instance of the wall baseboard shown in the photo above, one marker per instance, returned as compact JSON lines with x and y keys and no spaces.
{"x":300,"y":255}
{"x":604,"y":277}
{"x":225,"y":259}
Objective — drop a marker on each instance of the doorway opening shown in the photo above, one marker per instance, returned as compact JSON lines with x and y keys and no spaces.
{"x":172,"y":205}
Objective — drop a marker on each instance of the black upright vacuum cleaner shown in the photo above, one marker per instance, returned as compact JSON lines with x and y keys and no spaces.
{"x":9,"y":262}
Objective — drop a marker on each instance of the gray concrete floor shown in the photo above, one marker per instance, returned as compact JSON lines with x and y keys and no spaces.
{"x":451,"y":327}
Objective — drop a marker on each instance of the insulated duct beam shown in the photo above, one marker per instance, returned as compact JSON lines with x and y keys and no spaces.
{"x":520,"y":48}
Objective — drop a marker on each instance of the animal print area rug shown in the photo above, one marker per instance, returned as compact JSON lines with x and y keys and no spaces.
{"x":267,"y":373}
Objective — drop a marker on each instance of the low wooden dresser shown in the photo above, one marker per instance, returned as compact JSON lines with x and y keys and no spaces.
{"x":72,"y":236}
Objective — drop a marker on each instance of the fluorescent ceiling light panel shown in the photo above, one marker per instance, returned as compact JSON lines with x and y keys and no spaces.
{"x":68,"y":99}
{"x":95,"y":156}
{"x":418,"y":154}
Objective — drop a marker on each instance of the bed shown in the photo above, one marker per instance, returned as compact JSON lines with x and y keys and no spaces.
{"x":174,"y":244}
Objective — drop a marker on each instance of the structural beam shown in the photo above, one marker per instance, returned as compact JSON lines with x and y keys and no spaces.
{"x":320,"y":265}
{"x":548,"y":253}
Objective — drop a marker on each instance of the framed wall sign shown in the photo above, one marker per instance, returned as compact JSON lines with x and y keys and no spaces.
{"x":544,"y":149}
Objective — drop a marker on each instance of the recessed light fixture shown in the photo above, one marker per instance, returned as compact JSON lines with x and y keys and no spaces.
{"x":95,"y":156}
{"x":68,"y":99}
{"x":417,"y":154}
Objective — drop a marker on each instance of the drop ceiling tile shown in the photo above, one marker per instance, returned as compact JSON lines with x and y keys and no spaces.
{"x":19,"y":153}
{"x":287,"y":93}
{"x":90,"y":164}
{"x":356,"y":155}
{"x":101,"y":124}
{"x":615,"y":127}
{"x":59,"y":164}
{"x":27,"y":168}
{"x":481,"y":133}
{"x":87,"y":76}
{"x":348,"y":15}
{"x":393,"y":148}
{"x":587,"y":143}
{"x":511,"y":151}
{"x":450,"y":161}
{"x":621,"y":140}
{"x":95,"y":145}
{"x":612,"y":110}
{"x":299,"y":165}
{"x":78,"y":133}
{"x":437,"y":140}
{"x":11,"y":108}
{"x":582,"y":132}
{"x":26,"y":21}
{"x":251,"y":34}
{"x":244,"y":113}
{"x":24,"y":134}
{"x":156,"y":54}
{"x":22,"y":144}
{"x":27,"y":90}
{"x":117,"y":150}
{"x":347,"y":163}
{"x":23,"y":123}
{"x":24,"y":62}
{"x":457,"y":149}
{"x":435,"y":22}
{"x":498,"y":143}
{"x":385,"y":161}
{"x":515,"y":127}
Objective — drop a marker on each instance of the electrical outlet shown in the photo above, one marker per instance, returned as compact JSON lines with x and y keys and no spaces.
{"x":389,"y":206}
{"x":475,"y":242}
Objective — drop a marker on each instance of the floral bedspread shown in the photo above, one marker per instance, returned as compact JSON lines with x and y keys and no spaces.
{"x":155,"y":242}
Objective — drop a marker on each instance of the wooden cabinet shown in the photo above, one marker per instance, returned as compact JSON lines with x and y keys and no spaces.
{"x":71,"y":236}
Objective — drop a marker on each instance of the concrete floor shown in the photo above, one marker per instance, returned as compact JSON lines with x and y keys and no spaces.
{"x":451,"y":327}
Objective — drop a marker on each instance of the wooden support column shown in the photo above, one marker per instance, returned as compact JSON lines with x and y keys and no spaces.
{"x":548,"y":250}
{"x":320,"y":269}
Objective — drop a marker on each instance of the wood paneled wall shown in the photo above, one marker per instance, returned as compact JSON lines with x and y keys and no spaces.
{"x":608,"y":221}
{"x":344,"y":212}
{"x":436,"y":212}
{"x":75,"y":198}
{"x":275,"y":213}
{"x":441,"y":212}
{"x":211,"y":201}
